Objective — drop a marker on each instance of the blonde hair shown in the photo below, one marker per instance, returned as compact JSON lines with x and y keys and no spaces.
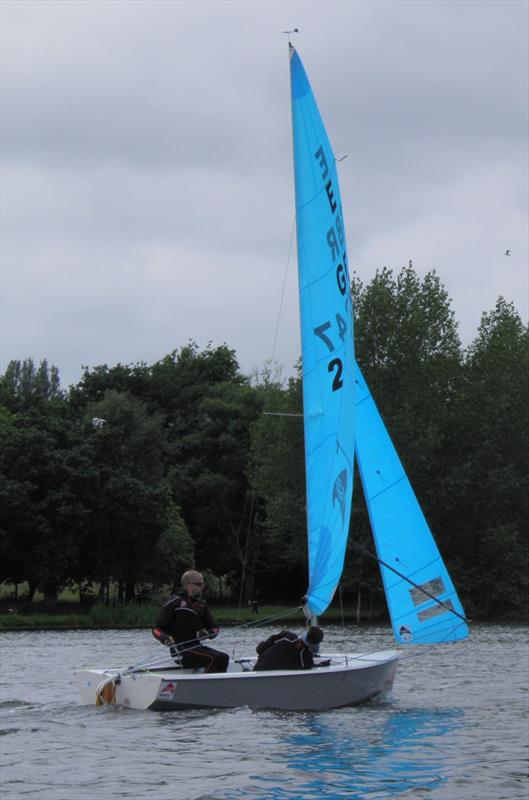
{"x":190,"y":576}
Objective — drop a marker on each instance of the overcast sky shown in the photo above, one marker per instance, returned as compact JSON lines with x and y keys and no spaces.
{"x":147,"y":190}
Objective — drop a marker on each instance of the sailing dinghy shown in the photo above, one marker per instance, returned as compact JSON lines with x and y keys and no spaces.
{"x":340,"y":418}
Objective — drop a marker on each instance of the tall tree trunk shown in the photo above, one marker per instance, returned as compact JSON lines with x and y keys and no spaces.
{"x":104,"y":591}
{"x":359,"y":604}
{"x":359,"y":592}
{"x":130,"y":592}
{"x":249,"y":582}
{"x":32,"y":588}
{"x":50,"y":590}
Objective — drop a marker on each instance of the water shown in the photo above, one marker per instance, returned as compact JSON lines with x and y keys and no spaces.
{"x":454,"y":728}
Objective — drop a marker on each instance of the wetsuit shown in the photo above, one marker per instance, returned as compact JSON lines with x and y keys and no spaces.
{"x":182,"y":618}
{"x":283,"y":650}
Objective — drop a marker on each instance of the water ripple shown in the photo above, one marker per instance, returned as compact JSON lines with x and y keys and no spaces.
{"x":454,"y":728}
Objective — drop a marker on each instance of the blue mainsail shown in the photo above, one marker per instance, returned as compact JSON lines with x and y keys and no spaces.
{"x":423,"y":603}
{"x":327,"y":343}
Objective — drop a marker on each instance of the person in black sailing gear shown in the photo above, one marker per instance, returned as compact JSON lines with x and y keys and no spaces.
{"x":185,"y":619}
{"x":287,"y":650}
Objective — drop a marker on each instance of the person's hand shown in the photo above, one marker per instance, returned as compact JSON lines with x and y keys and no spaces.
{"x":211,"y":634}
{"x":162,"y":637}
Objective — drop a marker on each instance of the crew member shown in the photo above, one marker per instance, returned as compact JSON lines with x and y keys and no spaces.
{"x":286,"y":650}
{"x":185,"y":619}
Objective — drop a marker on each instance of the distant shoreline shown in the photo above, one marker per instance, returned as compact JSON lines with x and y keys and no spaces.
{"x":38,"y":626}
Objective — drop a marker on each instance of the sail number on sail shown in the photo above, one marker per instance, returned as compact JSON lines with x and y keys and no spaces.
{"x":336,"y":242}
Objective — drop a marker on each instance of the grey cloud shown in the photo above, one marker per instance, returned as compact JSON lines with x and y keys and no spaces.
{"x":147,"y":190}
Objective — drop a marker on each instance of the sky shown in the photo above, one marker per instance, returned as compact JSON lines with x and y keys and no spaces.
{"x":146,"y":189}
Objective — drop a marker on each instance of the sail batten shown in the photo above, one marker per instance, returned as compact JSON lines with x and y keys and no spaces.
{"x":327,"y":343}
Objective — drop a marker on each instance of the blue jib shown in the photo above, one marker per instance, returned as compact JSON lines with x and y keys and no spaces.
{"x":420,"y":594}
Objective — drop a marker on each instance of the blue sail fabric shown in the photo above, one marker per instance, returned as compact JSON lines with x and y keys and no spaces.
{"x":327,"y":343}
{"x":402,"y":537}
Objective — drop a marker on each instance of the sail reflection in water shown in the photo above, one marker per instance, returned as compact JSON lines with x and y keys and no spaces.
{"x":382,"y":758}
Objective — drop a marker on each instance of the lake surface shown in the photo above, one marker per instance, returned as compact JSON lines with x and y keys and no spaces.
{"x":455,"y":727}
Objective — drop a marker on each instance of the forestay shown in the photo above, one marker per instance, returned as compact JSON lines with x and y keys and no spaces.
{"x":423,"y":603}
{"x":327,"y":343}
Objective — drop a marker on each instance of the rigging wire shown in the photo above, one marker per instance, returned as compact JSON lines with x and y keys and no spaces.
{"x":409,"y":580}
{"x":280,"y":309}
{"x":153,"y":658}
{"x":341,"y":605}
{"x":246,"y":547}
{"x":259,"y":622}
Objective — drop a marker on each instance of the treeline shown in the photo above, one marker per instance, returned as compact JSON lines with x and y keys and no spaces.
{"x":141,"y":471}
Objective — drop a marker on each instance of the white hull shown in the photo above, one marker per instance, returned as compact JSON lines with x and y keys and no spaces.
{"x":349,"y":680}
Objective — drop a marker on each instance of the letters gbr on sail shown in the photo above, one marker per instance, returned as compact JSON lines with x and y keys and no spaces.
{"x":327,"y":343}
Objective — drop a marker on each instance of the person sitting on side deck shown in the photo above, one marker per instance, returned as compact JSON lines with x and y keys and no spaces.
{"x":286,"y":650}
{"x":184,"y":619}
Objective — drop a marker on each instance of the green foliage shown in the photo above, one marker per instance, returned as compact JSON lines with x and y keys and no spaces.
{"x":174,"y":550}
{"x":22,"y":384}
{"x":278,"y":477}
{"x":194,"y":464}
{"x":486,"y":488}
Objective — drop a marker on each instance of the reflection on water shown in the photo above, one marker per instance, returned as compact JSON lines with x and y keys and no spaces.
{"x":454,"y":728}
{"x":387,"y":752}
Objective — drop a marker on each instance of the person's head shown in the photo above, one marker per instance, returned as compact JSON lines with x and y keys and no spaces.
{"x":313,"y":637}
{"x":192,"y":583}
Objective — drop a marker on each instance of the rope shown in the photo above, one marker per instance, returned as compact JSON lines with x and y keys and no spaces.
{"x":283,"y":290}
{"x":153,"y":659}
{"x":257,"y":623}
{"x":150,"y":663}
{"x":412,"y":583}
{"x":246,"y":547}
{"x":341,"y":604}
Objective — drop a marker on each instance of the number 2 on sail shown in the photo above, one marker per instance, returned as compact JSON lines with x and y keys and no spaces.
{"x":335,"y":365}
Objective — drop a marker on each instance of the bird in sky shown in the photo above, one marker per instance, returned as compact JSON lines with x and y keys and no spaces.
{"x":507,"y":252}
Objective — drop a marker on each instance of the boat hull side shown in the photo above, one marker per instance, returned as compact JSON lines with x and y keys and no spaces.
{"x":340,"y":685}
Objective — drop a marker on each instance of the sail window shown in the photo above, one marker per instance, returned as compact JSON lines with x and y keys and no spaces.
{"x":435,"y":610}
{"x":420,"y":594}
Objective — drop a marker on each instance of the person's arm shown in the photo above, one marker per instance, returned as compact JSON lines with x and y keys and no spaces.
{"x":305,"y":657}
{"x":264,"y":645}
{"x":209,"y":626}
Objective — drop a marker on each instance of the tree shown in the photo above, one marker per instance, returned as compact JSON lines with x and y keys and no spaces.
{"x":174,"y":551}
{"x":278,"y":478}
{"x":40,"y":513}
{"x":486,"y":492}
{"x":409,"y":350}
{"x":129,"y":497}
{"x":23,"y":385}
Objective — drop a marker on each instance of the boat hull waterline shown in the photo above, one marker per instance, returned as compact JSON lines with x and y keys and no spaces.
{"x":350,"y":680}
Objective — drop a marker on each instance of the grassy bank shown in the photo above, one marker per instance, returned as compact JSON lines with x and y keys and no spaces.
{"x":136,"y":616}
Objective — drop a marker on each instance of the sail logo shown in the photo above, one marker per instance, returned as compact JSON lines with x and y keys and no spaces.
{"x":405,"y":633}
{"x":339,"y":492}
